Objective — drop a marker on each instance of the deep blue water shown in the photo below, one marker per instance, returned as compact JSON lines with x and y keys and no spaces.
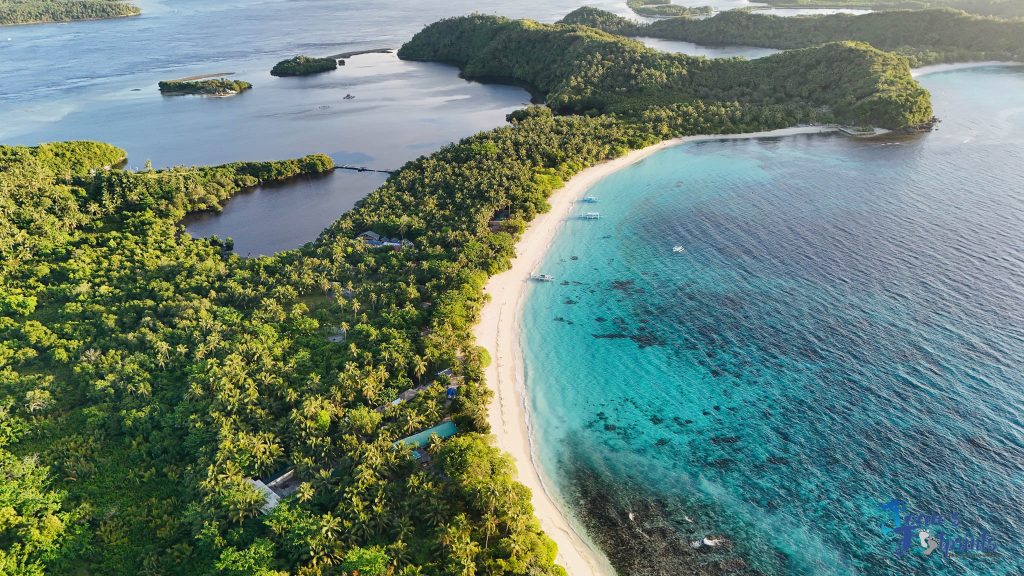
{"x":844,"y":327}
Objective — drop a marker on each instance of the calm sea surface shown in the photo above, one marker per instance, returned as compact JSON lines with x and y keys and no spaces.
{"x":844,"y":327}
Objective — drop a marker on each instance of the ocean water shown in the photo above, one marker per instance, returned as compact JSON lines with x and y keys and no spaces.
{"x":844,"y":327}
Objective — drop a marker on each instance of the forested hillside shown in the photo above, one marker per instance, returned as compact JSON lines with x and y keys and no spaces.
{"x":582,"y":70}
{"x":926,"y":36}
{"x":33,"y":11}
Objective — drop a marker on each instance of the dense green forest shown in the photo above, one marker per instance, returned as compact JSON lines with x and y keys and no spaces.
{"x":146,"y":376}
{"x":582,"y":70}
{"x":37,"y":11}
{"x":664,"y":9}
{"x":998,"y":8}
{"x":303,"y":65}
{"x":208,"y":87}
{"x":925,"y":37}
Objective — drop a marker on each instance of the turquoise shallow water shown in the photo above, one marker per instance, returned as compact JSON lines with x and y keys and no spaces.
{"x":844,"y":328}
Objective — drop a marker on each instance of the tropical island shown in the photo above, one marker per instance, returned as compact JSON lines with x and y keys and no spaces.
{"x":325,"y":410}
{"x":205,"y":87}
{"x":42,"y":11}
{"x":925,"y":37}
{"x":665,"y":9}
{"x":303,"y":66}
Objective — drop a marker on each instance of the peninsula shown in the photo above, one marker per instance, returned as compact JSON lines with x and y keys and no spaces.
{"x":558,"y":62}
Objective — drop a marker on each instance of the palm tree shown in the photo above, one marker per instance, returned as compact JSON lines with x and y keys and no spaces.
{"x":355,"y":309}
{"x":419,"y":368}
{"x":403,"y":528}
{"x":490,"y":525}
{"x":413,"y":421}
{"x":399,"y":553}
{"x":330,"y":526}
{"x":305,"y":492}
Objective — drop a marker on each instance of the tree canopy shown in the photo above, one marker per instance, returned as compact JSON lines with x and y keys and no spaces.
{"x":208,"y":87}
{"x":40,"y":11}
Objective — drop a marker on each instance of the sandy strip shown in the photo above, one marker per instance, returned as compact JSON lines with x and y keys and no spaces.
{"x":204,"y":76}
{"x":499,"y":332}
{"x":959,"y":66}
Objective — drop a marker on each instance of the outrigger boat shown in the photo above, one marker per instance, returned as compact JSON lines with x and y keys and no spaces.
{"x":542,"y":277}
{"x":590,"y":199}
{"x":592,"y":216}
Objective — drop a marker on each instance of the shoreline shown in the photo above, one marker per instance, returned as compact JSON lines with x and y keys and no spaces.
{"x":935,"y":68}
{"x":498,"y":331}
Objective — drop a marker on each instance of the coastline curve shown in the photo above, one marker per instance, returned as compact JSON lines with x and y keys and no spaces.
{"x":499,"y":332}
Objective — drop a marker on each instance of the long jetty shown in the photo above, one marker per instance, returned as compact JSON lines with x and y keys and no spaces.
{"x":345,"y":55}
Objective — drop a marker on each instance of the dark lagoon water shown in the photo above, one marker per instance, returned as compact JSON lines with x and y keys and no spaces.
{"x":845,"y":327}
{"x":97,"y":80}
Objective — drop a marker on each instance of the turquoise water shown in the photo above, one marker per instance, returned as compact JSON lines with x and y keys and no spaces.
{"x":844,"y":327}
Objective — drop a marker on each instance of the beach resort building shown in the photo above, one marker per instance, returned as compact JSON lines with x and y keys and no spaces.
{"x":375,"y":240}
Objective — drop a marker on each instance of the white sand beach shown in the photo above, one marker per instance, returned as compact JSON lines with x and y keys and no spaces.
{"x":959,"y":66}
{"x":499,"y":332}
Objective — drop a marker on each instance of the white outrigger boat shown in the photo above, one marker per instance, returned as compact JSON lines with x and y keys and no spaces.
{"x":542,"y":277}
{"x":678,"y":249}
{"x":592,"y":216}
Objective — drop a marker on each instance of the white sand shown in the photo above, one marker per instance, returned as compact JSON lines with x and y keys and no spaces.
{"x":499,"y":332}
{"x":916,"y":72}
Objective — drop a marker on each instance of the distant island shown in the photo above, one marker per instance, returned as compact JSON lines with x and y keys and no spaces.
{"x":208,"y":87}
{"x":998,"y":8}
{"x":665,"y":9}
{"x":303,"y":66}
{"x":844,"y":82}
{"x":43,"y":11}
{"x":924,"y":37}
